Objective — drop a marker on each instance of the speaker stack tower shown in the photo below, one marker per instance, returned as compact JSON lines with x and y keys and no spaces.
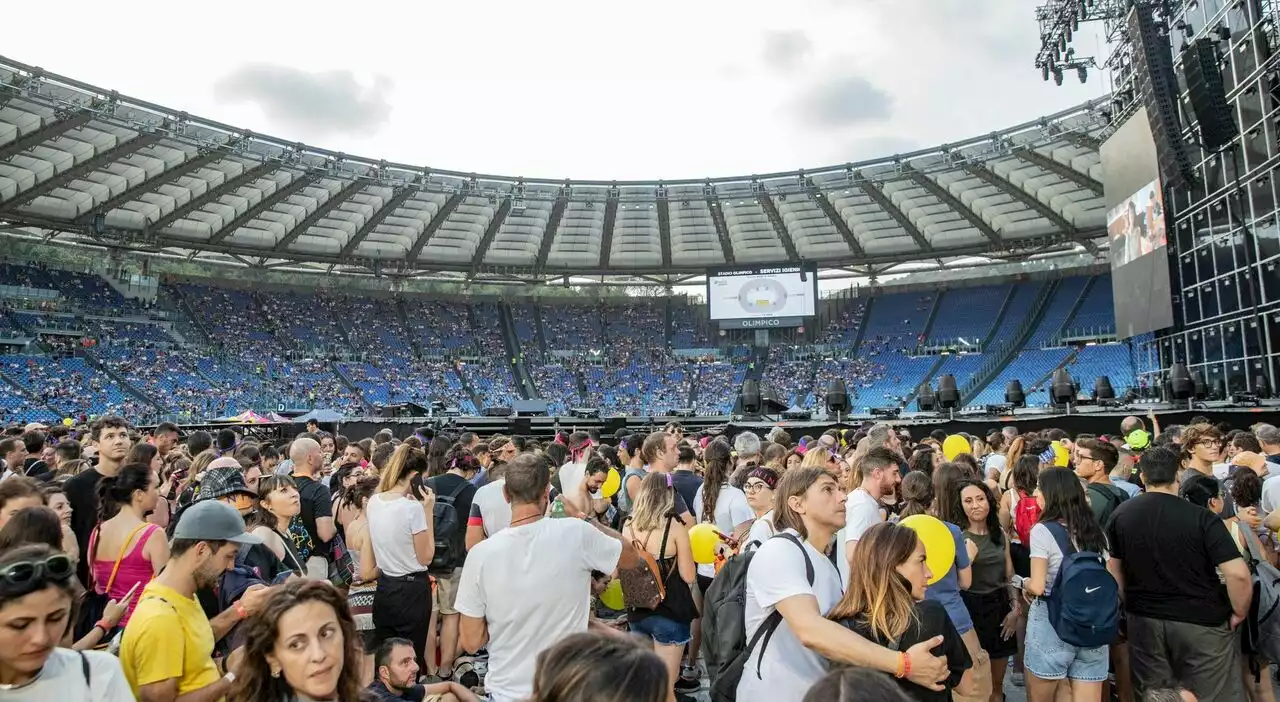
{"x":1157,"y":86}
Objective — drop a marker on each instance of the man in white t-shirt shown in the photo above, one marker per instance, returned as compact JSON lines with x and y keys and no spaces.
{"x":490,"y":511}
{"x":529,"y":585}
{"x":802,"y":585}
{"x":879,"y":473}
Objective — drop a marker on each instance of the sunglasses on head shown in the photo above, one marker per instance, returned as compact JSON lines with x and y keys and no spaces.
{"x":30,"y":575}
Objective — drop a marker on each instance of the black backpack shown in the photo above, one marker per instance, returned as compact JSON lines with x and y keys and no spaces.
{"x":725,"y":648}
{"x":451,"y":531}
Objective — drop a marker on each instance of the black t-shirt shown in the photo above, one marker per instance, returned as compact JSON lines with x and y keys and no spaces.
{"x":38,"y":469}
{"x":1169,"y":549}
{"x":316,"y":504}
{"x":82,"y":495}
{"x":931,"y":620}
{"x":687,"y":483}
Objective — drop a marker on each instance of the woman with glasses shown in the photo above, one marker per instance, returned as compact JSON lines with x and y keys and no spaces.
{"x":759,"y":487}
{"x":37,"y":588}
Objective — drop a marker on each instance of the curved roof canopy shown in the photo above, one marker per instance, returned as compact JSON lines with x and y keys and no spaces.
{"x":87,"y":163}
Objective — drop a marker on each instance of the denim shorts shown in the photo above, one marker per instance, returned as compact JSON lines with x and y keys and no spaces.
{"x":663,"y":631}
{"x":1049,"y":658}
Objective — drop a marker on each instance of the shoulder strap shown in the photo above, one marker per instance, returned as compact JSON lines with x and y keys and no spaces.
{"x":1059,"y":533}
{"x":124,"y":549}
{"x":1254,"y":546}
{"x":771,"y":623}
{"x":84,"y":669}
{"x":808,"y":564}
{"x":458,"y":490}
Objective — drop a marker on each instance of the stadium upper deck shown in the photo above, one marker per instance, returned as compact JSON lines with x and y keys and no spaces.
{"x":83,"y":163}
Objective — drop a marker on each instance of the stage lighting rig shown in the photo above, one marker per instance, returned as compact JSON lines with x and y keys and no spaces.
{"x":1060,"y":20}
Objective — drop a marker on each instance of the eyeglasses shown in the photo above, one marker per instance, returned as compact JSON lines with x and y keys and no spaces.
{"x":1084,"y":457}
{"x":27,"y":574}
{"x":1209,"y":443}
{"x":755,"y":486}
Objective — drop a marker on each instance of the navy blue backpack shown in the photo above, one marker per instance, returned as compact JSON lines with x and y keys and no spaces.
{"x":1084,"y":605}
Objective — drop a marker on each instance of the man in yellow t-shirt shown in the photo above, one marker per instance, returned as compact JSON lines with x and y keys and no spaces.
{"x":167,"y":647}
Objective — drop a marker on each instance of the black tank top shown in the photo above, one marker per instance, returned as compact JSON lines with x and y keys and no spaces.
{"x":677,"y":605}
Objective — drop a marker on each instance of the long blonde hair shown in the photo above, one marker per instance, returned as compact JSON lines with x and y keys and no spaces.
{"x":654,"y":503}
{"x":877,"y":593}
{"x":406,"y":461}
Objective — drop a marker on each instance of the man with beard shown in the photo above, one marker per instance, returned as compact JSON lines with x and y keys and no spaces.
{"x":167,"y":648}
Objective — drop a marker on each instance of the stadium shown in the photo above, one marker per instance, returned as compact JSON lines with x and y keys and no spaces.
{"x":172,"y":268}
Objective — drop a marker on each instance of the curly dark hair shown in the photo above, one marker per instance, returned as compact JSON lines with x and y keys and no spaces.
{"x":254,"y":681}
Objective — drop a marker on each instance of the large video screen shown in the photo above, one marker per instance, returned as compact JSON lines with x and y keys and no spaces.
{"x":768,"y":293}
{"x":1137,"y":226}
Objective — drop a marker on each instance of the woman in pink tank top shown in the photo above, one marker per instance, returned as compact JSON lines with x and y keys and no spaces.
{"x":125,"y":549}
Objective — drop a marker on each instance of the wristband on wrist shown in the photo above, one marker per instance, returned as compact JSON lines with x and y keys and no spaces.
{"x":241,"y":612}
{"x":104,"y":625}
{"x":906,"y":665}
{"x":902,"y":664}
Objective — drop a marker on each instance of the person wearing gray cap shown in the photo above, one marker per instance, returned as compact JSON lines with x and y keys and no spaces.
{"x":167,"y":648}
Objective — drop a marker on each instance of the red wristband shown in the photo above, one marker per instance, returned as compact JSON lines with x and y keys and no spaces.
{"x":104,"y":625}
{"x":240,"y":610}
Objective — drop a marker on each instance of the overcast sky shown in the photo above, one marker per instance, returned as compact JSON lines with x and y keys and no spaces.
{"x":571,"y":88}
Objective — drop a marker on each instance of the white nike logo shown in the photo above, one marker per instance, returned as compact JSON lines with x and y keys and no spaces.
{"x":1088,"y":590}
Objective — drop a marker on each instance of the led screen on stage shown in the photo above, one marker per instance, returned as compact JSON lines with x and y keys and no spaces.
{"x":766,"y":293}
{"x":1137,"y":226}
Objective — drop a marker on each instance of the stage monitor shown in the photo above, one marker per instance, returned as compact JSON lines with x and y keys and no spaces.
{"x":1137,"y":227}
{"x":763,"y":297}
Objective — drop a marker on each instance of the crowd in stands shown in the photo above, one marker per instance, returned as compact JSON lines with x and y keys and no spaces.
{"x":233,"y":349}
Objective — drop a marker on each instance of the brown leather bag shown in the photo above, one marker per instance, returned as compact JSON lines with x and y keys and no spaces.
{"x":643,"y":586}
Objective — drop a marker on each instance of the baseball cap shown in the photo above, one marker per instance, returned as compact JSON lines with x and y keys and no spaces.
{"x":210,"y":520}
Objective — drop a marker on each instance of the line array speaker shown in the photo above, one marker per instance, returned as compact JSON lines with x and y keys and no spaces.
{"x":1157,"y":85}
{"x":1208,"y":95}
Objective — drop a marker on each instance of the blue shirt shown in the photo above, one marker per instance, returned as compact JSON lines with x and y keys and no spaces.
{"x":946,"y":591}
{"x":1127,"y":487}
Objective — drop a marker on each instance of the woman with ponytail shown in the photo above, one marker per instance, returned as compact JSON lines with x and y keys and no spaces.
{"x":719,"y":503}
{"x":127,"y":550}
{"x":401,"y":518}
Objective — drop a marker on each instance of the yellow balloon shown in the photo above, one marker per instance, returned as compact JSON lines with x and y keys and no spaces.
{"x":1060,"y":455}
{"x":612,"y":596}
{"x":67,"y":421}
{"x":939,"y":544}
{"x":954,"y":446}
{"x":703,"y":539}
{"x":611,"y":484}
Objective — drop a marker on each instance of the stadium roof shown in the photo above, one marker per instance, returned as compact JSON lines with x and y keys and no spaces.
{"x":90,"y":165}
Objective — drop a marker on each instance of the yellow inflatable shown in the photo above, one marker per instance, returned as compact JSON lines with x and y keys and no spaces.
{"x":612,"y":596}
{"x":939,"y":545}
{"x":703,"y":539}
{"x":954,"y":446}
{"x":611,"y":484}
